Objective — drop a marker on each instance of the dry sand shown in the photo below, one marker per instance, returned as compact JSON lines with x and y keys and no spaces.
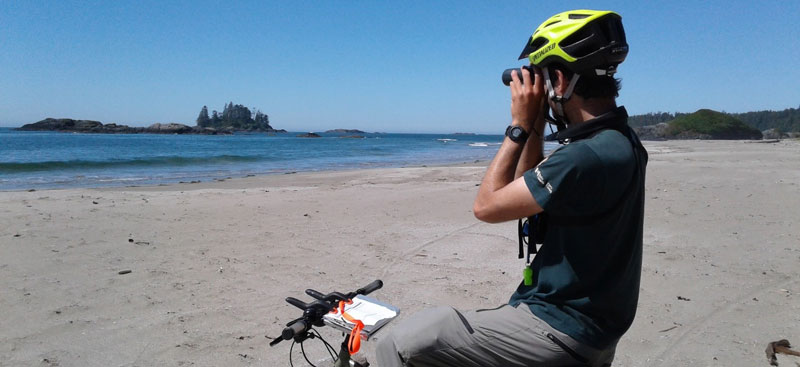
{"x":211,"y":263}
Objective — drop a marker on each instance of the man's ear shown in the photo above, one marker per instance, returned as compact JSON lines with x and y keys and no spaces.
{"x":561,"y":83}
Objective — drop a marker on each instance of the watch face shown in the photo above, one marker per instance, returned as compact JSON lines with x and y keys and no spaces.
{"x":516,"y":134}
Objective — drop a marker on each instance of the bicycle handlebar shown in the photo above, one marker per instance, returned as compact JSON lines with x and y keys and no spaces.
{"x":297,"y":303}
{"x":314,"y":311}
{"x":315,"y":294}
{"x":371,"y":287}
{"x":335,"y":297}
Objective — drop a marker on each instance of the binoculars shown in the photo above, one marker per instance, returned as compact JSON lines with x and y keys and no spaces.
{"x":507,"y":74}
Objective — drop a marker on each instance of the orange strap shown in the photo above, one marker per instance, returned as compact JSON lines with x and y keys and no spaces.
{"x":354,"y":342}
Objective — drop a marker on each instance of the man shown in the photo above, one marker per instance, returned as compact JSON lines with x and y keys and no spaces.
{"x":582,"y":289}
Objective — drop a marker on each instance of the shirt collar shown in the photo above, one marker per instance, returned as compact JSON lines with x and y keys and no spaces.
{"x":616,"y":119}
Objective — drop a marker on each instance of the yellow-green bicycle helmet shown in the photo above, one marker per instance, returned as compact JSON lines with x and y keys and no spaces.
{"x":587,"y":42}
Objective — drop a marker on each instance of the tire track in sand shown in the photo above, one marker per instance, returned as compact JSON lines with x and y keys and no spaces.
{"x":405,"y":255}
{"x":701,"y":323}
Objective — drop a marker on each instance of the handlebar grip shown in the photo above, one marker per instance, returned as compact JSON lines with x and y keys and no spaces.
{"x":295,"y":328}
{"x":296,"y":303}
{"x":371,"y":287}
{"x":315,"y":294}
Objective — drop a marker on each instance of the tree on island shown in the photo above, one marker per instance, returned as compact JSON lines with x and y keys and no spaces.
{"x":203,"y":120}
{"x":234,"y":117}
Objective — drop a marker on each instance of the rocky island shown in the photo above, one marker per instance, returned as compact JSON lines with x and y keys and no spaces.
{"x":97,"y":127}
{"x":233,"y":119}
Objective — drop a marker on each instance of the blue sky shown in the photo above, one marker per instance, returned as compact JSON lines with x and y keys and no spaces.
{"x":412,"y":66}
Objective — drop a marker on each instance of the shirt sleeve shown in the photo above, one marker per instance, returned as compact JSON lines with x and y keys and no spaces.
{"x":567,"y":181}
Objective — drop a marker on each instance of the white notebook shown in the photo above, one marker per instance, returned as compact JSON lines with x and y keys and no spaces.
{"x":373,"y":313}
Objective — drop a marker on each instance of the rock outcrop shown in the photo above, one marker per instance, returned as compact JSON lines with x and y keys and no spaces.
{"x":51,"y":124}
{"x":774,"y":134}
{"x":170,"y":128}
{"x":652,"y":132}
{"x":344,"y":131}
{"x":309,"y":135}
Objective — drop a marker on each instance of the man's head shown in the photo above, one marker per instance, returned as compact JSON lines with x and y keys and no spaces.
{"x":578,"y":52}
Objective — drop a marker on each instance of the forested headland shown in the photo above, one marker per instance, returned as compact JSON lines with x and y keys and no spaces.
{"x":787,"y":120}
{"x":708,"y":124}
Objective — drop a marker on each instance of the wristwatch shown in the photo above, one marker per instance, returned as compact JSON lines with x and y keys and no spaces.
{"x":516,"y":134}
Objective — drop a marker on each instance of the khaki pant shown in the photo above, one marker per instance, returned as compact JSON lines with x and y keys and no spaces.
{"x":504,"y":336}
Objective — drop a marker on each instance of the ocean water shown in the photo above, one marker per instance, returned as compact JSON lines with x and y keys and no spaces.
{"x":47,"y":160}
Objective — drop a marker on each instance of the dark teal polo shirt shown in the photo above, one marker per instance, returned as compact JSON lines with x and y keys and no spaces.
{"x":586,"y":274}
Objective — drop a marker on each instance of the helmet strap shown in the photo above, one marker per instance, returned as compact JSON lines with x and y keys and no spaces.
{"x":559,"y":100}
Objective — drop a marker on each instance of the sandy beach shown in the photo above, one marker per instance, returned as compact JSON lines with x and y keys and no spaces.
{"x":211,"y":263}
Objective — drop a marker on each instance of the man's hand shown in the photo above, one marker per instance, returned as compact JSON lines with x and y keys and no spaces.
{"x":503,"y":194}
{"x":527,"y":100}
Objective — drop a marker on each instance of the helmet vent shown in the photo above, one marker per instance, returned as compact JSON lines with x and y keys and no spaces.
{"x":581,"y":43}
{"x":538,"y":43}
{"x":578,"y":16}
{"x":614,"y":32}
{"x":551,"y":23}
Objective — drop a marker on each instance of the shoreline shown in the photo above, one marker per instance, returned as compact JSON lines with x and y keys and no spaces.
{"x":210,"y":264}
{"x":250,"y":178}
